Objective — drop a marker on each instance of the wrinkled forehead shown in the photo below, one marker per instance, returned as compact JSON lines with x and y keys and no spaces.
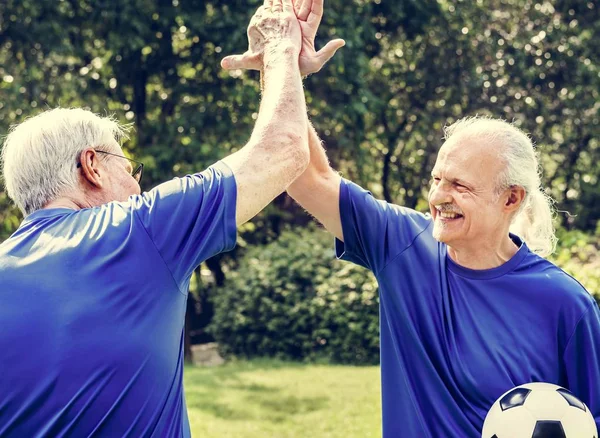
{"x":468,"y":158}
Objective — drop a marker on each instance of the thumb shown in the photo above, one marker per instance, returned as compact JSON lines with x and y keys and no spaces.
{"x":245,"y":61}
{"x":327,"y":52}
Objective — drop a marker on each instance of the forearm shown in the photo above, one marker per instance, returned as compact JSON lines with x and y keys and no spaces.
{"x":318,"y":157}
{"x":318,"y":166}
{"x":278,"y":148}
{"x":317,"y":189}
{"x":282,"y":114}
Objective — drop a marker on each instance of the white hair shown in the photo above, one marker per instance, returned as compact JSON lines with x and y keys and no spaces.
{"x":39,"y":156}
{"x":533,"y":221}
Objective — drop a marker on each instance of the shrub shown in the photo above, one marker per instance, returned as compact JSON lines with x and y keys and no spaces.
{"x":291,"y":299}
{"x":579,"y":255}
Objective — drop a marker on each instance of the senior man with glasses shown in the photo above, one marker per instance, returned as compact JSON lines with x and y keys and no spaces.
{"x":93,"y":284}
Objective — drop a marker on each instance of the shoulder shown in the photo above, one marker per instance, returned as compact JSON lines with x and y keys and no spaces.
{"x":355,"y":196}
{"x":555,"y":284}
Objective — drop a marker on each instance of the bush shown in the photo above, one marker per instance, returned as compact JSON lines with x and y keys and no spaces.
{"x":579,"y":255}
{"x":291,"y":299}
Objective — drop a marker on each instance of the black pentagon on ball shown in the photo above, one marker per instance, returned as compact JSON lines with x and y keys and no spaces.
{"x":514,"y":398}
{"x":571,"y":399}
{"x":548,"y":429}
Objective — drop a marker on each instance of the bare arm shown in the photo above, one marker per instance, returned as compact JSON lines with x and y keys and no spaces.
{"x":277,"y":151}
{"x":317,"y":189}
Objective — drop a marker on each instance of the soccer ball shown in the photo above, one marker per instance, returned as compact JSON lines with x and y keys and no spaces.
{"x":539,"y":410}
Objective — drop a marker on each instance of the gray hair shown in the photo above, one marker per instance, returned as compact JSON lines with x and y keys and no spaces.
{"x":39,"y":156}
{"x":533,"y":221}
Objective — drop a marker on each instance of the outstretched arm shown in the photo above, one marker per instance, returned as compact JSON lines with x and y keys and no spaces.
{"x":277,"y":152}
{"x":318,"y":188}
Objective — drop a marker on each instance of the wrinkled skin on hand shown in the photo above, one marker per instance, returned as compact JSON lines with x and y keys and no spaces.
{"x":265,"y":29}
{"x":273,"y":26}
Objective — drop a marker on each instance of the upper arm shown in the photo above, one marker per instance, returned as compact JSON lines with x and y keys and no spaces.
{"x":319,"y":194}
{"x":582,"y":360}
{"x":264,"y":172}
{"x":375,"y":231}
{"x":190,"y":219}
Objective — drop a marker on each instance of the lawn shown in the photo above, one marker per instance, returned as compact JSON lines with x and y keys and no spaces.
{"x":269,"y":399}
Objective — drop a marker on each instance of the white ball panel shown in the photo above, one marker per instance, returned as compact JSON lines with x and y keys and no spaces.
{"x":546,"y":405}
{"x":516,"y":422}
{"x":579,"y":424}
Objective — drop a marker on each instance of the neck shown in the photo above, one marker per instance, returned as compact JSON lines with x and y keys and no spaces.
{"x":64,"y":202}
{"x":486,"y":256}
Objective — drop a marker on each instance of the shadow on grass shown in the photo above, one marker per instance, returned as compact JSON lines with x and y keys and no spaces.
{"x":291,"y":405}
{"x":205,"y":389}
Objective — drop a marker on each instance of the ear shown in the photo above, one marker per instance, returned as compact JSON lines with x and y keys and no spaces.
{"x":90,"y":168}
{"x":515,"y":195}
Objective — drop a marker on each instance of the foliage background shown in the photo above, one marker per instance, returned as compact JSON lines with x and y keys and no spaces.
{"x":409,"y":68}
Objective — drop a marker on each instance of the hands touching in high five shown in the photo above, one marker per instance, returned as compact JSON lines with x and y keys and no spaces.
{"x":274,"y":25}
{"x":277,"y":152}
{"x":281,"y":22}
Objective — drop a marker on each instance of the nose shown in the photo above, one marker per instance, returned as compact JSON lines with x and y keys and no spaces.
{"x":439,"y":193}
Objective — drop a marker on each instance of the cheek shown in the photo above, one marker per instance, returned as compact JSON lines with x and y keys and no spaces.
{"x":466,"y":202}
{"x":133,"y":187}
{"x":127,"y":186}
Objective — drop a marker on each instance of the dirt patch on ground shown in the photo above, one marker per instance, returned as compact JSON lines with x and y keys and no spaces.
{"x":206,"y":355}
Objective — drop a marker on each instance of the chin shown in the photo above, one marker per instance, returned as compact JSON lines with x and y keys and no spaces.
{"x":440,"y":234}
{"x":440,"y":237}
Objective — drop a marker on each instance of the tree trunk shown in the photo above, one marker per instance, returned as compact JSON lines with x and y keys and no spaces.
{"x":188,"y":356}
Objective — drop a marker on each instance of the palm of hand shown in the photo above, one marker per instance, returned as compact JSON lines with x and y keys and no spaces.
{"x":308,"y":60}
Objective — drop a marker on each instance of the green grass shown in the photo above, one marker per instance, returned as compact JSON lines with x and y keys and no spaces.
{"x":269,"y":399}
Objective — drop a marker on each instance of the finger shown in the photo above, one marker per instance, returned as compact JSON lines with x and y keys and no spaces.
{"x":277,"y":6}
{"x":288,"y":6}
{"x":297,"y":6}
{"x":268,"y":4}
{"x":304,"y":9}
{"x":315,"y":13}
{"x":327,"y":52}
{"x":246,"y":61}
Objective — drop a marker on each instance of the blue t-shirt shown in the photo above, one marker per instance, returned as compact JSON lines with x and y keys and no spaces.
{"x":454,"y":339}
{"x":92,"y":306}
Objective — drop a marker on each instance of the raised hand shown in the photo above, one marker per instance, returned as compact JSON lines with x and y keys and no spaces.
{"x":309,"y":13}
{"x":273,"y":26}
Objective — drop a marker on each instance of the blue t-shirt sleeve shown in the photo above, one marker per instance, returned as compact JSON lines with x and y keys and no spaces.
{"x":375,"y":231}
{"x":582,"y":361}
{"x":191,"y":219}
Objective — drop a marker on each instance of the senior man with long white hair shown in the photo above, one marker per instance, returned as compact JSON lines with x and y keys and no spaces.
{"x":93,"y":284}
{"x":469,"y":306}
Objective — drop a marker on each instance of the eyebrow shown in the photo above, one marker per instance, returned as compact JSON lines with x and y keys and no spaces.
{"x":461,"y":182}
{"x":456,"y":180}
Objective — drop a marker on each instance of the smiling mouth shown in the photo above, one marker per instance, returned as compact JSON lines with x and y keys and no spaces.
{"x":449,"y":216}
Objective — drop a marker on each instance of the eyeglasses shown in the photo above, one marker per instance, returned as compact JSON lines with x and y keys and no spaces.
{"x":137,"y":171}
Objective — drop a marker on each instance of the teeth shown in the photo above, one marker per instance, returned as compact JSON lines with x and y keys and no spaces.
{"x":448,"y":215}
